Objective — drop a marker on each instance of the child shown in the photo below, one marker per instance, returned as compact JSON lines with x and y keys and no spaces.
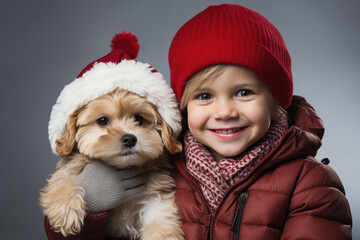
{"x":248,"y":169}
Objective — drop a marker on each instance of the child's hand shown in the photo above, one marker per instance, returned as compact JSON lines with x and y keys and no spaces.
{"x":106,"y":186}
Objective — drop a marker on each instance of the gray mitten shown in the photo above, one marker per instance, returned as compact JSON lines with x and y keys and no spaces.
{"x":106,"y":186}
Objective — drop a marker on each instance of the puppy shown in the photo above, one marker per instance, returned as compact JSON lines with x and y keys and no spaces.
{"x":121,"y":129}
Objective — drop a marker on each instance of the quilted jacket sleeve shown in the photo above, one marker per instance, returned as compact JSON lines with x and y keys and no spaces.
{"x":318,"y":208}
{"x":94,"y":228}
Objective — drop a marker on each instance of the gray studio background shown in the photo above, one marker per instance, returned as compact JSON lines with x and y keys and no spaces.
{"x":45,"y":44}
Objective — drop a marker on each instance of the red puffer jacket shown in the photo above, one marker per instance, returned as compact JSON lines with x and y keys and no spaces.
{"x":288,"y":195}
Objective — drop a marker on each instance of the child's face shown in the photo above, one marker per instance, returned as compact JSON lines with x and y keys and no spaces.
{"x":231,"y":112}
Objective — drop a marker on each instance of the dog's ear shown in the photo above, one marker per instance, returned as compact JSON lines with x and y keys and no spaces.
{"x":66,"y":143}
{"x":169,"y":138}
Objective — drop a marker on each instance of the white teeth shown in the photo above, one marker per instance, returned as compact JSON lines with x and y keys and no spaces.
{"x":228,"y":130}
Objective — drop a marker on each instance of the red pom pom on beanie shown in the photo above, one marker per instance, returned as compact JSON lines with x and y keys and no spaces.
{"x":232,"y":34}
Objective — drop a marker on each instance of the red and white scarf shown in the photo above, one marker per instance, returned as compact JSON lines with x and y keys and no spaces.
{"x":216,"y":178}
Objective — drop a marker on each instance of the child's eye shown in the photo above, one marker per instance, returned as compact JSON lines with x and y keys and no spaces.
{"x":203,"y":96}
{"x":244,"y":93}
{"x":103,"y":121}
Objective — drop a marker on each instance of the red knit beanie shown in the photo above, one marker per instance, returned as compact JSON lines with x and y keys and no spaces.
{"x":232,"y":34}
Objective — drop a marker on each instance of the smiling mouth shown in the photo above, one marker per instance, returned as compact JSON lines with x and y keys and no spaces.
{"x":229,"y":134}
{"x":228,"y":131}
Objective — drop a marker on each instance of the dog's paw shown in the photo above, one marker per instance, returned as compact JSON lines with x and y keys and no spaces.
{"x":162,"y":236}
{"x":64,"y":207}
{"x":157,"y":231}
{"x":67,"y":220}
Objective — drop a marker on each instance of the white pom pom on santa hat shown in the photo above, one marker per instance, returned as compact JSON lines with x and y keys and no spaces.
{"x":118,"y":69}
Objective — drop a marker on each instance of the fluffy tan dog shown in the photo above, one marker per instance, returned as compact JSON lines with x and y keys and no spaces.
{"x":122,"y":129}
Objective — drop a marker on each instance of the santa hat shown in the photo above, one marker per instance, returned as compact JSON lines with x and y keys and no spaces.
{"x":232,"y":34}
{"x":118,"y":69}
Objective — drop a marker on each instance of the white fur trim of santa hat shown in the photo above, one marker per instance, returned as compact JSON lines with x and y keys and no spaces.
{"x":103,"y":78}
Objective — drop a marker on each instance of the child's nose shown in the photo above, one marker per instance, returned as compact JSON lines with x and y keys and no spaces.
{"x":225,"y":109}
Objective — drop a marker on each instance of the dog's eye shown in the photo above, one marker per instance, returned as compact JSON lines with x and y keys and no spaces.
{"x":139,"y":119}
{"x":103,"y":121}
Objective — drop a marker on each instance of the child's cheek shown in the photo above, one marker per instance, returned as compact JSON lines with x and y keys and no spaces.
{"x":260,"y":115}
{"x":196,"y":117}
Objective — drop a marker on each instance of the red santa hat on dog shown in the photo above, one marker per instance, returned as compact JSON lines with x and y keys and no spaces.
{"x":118,"y":69}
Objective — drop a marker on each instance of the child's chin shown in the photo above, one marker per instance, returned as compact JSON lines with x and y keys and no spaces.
{"x":232,"y":150}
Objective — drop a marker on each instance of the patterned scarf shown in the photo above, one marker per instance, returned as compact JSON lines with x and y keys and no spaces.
{"x":217,"y":178}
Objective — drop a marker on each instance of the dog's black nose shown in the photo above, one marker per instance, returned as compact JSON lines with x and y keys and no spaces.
{"x":129,"y":140}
